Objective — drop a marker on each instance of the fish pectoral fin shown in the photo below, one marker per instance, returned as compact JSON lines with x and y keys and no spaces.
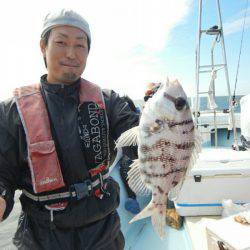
{"x":128,"y":138}
{"x":134,"y":180}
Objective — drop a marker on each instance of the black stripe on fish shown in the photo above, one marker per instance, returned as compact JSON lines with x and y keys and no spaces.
{"x":184,"y":132}
{"x":162,"y":144}
{"x":157,"y":204}
{"x":185,"y":145}
{"x":154,"y":175}
{"x":185,"y":158}
{"x":179,"y":102}
{"x":161,"y":158}
{"x":173,"y":123}
{"x":168,"y":165}
{"x":144,"y":148}
{"x":174,"y":183}
{"x":161,"y":191}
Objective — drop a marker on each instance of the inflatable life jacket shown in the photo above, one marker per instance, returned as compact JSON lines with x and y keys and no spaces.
{"x":43,"y":160}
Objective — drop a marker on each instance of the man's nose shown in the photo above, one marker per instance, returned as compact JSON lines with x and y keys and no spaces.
{"x":70,"y":52}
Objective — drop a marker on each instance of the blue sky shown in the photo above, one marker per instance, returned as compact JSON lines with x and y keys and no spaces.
{"x":179,"y":53}
{"x":133,"y":42}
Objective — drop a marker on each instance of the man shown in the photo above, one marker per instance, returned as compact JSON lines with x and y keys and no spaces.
{"x":54,"y":146}
{"x":151,"y":90}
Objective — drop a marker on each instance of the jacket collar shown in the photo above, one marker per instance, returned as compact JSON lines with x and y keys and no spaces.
{"x":61,"y":89}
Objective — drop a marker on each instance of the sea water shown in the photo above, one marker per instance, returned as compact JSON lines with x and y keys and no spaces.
{"x":221,"y":102}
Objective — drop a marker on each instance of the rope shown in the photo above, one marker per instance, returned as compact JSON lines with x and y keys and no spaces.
{"x":241,"y":42}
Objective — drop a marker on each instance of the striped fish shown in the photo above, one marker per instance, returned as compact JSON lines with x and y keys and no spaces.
{"x":168,"y":145}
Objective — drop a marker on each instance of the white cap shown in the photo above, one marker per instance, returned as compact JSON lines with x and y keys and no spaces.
{"x":65,"y":17}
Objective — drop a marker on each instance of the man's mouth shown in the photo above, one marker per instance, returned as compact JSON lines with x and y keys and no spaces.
{"x":70,"y":65}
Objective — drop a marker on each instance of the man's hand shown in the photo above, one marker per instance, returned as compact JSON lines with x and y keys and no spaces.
{"x":2,"y":207}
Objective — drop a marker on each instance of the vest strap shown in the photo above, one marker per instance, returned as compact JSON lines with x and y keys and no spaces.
{"x":42,"y":157}
{"x":76,"y":191}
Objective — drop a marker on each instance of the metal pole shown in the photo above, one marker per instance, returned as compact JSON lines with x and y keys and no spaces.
{"x":215,"y":121}
{"x":227,"y":77}
{"x":198,"y":64}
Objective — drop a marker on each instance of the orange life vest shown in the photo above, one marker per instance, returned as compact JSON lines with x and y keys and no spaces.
{"x":42,"y":156}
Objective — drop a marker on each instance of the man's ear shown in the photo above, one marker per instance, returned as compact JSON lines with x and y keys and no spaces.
{"x":42,"y":47}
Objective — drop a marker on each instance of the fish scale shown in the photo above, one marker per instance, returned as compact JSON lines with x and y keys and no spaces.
{"x":168,"y":145}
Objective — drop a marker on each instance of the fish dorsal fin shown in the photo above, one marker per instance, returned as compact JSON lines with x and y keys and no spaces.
{"x":173,"y":194}
{"x":134,"y":179}
{"x":128,"y":138}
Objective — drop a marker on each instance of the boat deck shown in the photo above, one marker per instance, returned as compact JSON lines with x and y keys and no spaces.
{"x":140,"y":234}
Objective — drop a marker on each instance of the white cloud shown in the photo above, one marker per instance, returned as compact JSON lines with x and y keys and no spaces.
{"x":236,"y":25}
{"x":119,"y":30}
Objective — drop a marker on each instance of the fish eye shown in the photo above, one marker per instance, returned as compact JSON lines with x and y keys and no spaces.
{"x":180,"y":103}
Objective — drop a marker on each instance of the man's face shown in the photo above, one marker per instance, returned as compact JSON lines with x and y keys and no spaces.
{"x":66,"y":54}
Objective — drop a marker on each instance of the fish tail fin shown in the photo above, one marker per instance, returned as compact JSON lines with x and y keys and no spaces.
{"x":158,"y":217}
{"x":146,"y":212}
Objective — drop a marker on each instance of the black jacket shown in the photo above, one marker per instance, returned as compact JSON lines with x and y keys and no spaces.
{"x":62,"y":102}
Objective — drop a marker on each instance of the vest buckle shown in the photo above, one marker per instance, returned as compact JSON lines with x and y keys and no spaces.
{"x":103,"y":185}
{"x":81,"y":190}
